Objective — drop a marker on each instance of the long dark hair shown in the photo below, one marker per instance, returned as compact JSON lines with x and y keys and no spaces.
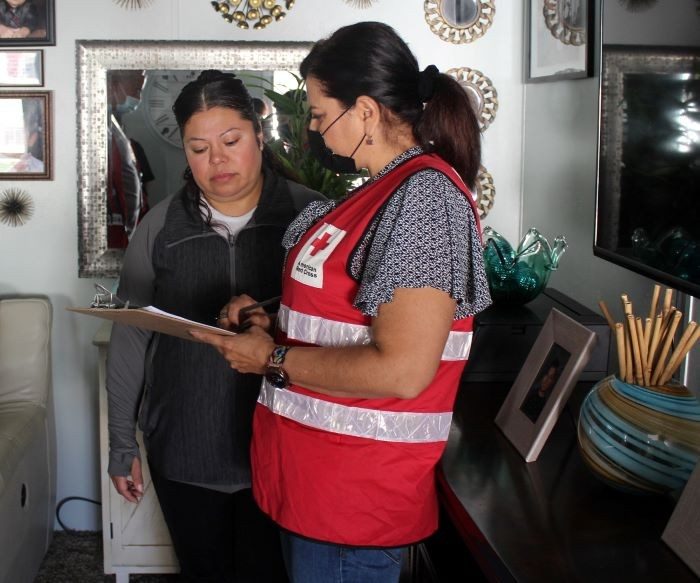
{"x":369,"y":58}
{"x":214,"y":88}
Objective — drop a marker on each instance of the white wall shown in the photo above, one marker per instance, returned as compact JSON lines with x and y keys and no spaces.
{"x":42,"y":256}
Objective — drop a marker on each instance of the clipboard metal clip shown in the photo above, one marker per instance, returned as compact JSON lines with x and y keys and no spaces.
{"x":106,"y":299}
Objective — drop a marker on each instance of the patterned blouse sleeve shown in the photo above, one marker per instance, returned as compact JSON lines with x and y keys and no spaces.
{"x":426,"y":236}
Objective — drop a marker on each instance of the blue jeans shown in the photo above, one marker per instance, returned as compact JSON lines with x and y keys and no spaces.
{"x":314,"y":562}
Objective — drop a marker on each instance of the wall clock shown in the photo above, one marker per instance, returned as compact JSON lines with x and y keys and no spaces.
{"x":159,"y":94}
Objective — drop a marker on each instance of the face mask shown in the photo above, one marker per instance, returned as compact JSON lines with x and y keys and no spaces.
{"x":129,"y":104}
{"x":335,"y":163}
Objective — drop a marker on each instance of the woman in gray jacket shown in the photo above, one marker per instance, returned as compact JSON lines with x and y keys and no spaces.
{"x":217,"y":237}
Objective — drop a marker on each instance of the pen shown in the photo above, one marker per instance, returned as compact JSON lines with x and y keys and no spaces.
{"x":259,"y":305}
{"x":251,"y":307}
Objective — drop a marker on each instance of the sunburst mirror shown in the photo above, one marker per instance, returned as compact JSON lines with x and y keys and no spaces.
{"x":133,"y":4}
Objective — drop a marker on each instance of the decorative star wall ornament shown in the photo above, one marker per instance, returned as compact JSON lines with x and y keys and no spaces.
{"x":360,"y":3}
{"x":133,"y":4}
{"x":16,"y":207}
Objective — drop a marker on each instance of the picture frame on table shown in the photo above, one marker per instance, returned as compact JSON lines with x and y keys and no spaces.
{"x":30,"y":24}
{"x":543,"y":385}
{"x":559,"y":40}
{"x":25,"y":135}
{"x":21,"y":68}
{"x":682,"y":532}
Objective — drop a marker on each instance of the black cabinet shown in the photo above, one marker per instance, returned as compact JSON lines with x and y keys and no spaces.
{"x":505,"y":334}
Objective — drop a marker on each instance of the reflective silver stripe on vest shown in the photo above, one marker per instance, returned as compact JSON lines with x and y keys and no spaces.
{"x":356,"y":421}
{"x":322,"y":332}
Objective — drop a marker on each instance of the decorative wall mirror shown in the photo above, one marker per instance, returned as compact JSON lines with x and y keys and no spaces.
{"x":481,"y":92}
{"x":98,"y":62}
{"x":459,"y":21}
{"x":485,"y":192}
{"x":567,"y":21}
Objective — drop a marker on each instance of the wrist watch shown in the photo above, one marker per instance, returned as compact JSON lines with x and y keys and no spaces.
{"x":274,"y":373}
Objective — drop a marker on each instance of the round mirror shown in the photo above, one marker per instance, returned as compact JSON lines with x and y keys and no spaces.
{"x":459,"y":21}
{"x":480,"y":91}
{"x":566,"y":20}
{"x":459,"y":12}
{"x":485,"y":192}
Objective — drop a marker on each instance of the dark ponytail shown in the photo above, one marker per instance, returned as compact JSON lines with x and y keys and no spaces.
{"x":449,"y":127}
{"x":369,"y":58}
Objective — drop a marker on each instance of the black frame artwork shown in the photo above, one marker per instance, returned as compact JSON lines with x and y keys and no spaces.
{"x":558,"y":34}
{"x":36,"y":15}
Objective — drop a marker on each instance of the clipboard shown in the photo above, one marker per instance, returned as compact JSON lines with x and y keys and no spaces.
{"x":150,"y":318}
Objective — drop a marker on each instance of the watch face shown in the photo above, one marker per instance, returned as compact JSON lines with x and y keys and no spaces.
{"x":159,"y":94}
{"x":277,"y":377}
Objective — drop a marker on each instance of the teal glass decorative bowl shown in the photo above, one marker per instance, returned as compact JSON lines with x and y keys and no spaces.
{"x":518,"y":276}
{"x":640,"y":439}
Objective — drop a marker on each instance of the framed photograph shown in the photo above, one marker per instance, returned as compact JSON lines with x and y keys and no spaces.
{"x":540,"y":391}
{"x":682,"y":533}
{"x":21,"y":68}
{"x":25,"y":135}
{"x":558,"y":36}
{"x":27,"y":23}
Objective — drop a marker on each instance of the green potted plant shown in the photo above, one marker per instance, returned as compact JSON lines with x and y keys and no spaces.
{"x":292,"y":146}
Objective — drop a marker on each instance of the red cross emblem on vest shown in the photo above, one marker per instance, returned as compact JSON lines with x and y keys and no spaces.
{"x":320,"y":243}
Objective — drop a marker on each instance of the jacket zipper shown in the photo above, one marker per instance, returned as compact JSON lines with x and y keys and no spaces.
{"x":232,"y":242}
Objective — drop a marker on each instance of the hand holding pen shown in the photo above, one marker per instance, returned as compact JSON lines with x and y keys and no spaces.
{"x":243,"y":311}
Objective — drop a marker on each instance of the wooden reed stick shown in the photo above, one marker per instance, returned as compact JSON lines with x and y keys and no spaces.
{"x":606,"y":313}
{"x":655,"y":341}
{"x":654,"y":301}
{"x":642,"y":350}
{"x":631,"y":324}
{"x":685,"y":344}
{"x":661,"y":361}
{"x":620,"y":337}
{"x":668,"y":296}
{"x":626,"y":304}
{"x":629,"y":359}
{"x":646,"y":349}
{"x":647,"y":333}
{"x":666,"y":320}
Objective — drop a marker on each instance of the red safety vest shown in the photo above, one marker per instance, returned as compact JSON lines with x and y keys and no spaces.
{"x":351,"y":471}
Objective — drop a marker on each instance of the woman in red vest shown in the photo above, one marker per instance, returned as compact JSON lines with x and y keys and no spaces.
{"x":375,"y":324}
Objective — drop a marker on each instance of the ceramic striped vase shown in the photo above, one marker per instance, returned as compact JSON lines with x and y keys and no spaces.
{"x":640,"y":439}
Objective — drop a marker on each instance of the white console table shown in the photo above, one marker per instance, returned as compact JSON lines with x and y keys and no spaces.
{"x":135,"y":538}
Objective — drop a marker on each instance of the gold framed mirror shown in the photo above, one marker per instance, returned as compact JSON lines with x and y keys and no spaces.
{"x":459,"y":21}
{"x":481,"y":92}
{"x":485,"y":192}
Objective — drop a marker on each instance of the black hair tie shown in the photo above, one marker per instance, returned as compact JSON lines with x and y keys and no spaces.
{"x":212,"y":75}
{"x":426,"y":82}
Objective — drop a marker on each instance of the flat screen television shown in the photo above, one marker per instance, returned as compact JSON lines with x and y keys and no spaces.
{"x":648,"y":195}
